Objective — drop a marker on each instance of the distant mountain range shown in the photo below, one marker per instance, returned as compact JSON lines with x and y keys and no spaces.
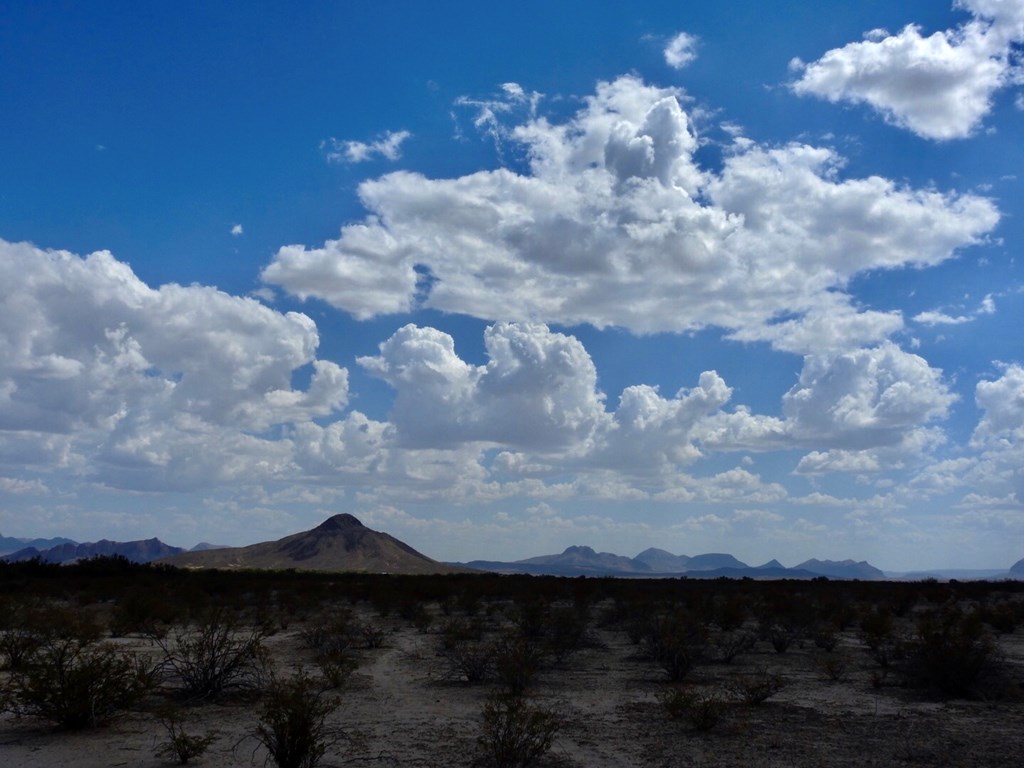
{"x":343,"y":543}
{"x":144,"y":551}
{"x":584,"y":561}
{"x":10,"y":544}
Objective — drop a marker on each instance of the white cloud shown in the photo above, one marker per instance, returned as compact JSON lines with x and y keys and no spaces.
{"x":681,"y":50}
{"x":617,"y":224}
{"x":1002,"y":402}
{"x":148,"y":388}
{"x":940,"y":318}
{"x":939,"y":87}
{"x":237,"y":230}
{"x":866,"y":398}
{"x":388,"y":146}
{"x":821,"y":462}
{"x":538,"y":389}
{"x":17,"y":486}
{"x":107,"y":380}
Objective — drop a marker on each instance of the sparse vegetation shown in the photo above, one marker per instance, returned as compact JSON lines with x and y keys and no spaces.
{"x":77,"y":684}
{"x":216,"y":656}
{"x":181,"y":745}
{"x":293,"y":722}
{"x":517,"y":635}
{"x":756,"y":687}
{"x":702,"y":708}
{"x":515,"y":733}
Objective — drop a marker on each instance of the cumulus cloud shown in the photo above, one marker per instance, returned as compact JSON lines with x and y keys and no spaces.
{"x":538,"y":389}
{"x":866,"y":398}
{"x":388,"y":146}
{"x":681,"y":50}
{"x":144,"y":387}
{"x":940,"y":86}
{"x":237,"y":230}
{"x":617,"y":224}
{"x":999,"y":438}
{"x":536,"y":399}
{"x":1002,"y":402}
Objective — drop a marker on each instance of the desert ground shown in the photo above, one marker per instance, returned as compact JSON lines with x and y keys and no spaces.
{"x":406,"y":699}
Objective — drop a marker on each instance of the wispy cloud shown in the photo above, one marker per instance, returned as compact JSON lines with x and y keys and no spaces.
{"x":388,"y":146}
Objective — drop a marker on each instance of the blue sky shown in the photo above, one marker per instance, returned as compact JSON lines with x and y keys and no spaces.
{"x":498,"y":281}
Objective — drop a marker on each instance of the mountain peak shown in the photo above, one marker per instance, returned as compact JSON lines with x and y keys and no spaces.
{"x":579,"y":550}
{"x":339,"y":523}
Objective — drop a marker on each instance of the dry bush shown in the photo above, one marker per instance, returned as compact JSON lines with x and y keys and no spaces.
{"x":78,"y":685}
{"x":834,"y":667}
{"x":216,"y":657}
{"x":467,"y":654}
{"x":676,"y":641}
{"x":704,"y":709}
{"x":181,"y":745}
{"x":729,"y":644}
{"x":756,"y":687}
{"x":514,"y":733}
{"x":566,"y":631}
{"x":953,"y":654}
{"x":781,"y":637}
{"x":292,"y":726}
{"x":516,"y":662}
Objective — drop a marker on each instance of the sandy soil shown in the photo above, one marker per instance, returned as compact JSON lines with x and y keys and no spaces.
{"x":402,"y":708}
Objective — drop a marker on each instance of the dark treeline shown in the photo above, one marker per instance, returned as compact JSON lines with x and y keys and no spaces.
{"x":115,"y":579}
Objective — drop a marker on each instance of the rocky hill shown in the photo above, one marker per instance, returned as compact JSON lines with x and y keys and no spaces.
{"x":340,"y":543}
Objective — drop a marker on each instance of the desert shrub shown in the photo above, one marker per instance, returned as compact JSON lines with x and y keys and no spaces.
{"x":1002,"y":617}
{"x":676,"y":641}
{"x":22,"y":629}
{"x":469,"y":659}
{"x":181,"y":745}
{"x":704,"y":709}
{"x":143,"y":611}
{"x":727,"y":645}
{"x":368,"y":635}
{"x":825,"y":637}
{"x":730,"y":613}
{"x":781,"y":637}
{"x":876,"y":626}
{"x":834,"y":667}
{"x":331,"y":635}
{"x":951,"y":653}
{"x":79,"y":685}
{"x":516,"y":662}
{"x":756,"y":687}
{"x":467,"y":654}
{"x":292,"y":726}
{"x":419,"y":616}
{"x":566,"y":631}
{"x":56,"y":624}
{"x":515,"y":734}
{"x":216,"y":656}
{"x":336,"y":668}
{"x":531,"y":617}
